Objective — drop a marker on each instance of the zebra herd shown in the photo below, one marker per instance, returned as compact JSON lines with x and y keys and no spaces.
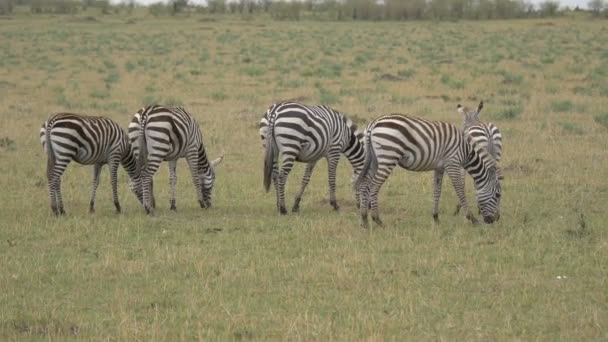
{"x":290,"y":132}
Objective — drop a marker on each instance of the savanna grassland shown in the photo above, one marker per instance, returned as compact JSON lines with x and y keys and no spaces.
{"x":239,"y":271}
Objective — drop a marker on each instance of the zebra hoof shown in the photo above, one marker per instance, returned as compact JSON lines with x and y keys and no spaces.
{"x":91,"y":210}
{"x":474,"y":221}
{"x":283,"y":211}
{"x":295,"y":209}
{"x":173,"y":207}
{"x":335,"y":205}
{"x":378,"y":221}
{"x":436,"y":218}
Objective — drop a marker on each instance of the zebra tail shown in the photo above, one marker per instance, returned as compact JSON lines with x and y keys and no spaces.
{"x":370,"y":165}
{"x":49,"y":150}
{"x":143,"y":148}
{"x":271,"y":150}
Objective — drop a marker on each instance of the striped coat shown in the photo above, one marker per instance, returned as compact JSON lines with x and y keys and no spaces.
{"x":421,"y":145}
{"x":87,"y":140}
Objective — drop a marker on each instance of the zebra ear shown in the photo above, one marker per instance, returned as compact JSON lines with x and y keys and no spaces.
{"x":460,"y":109}
{"x":217,"y":161}
{"x":479,"y":108}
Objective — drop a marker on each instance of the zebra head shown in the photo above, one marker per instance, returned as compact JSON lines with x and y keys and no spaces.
{"x":469,"y":117}
{"x":136,"y":187}
{"x":354,"y":147}
{"x":482,"y":167}
{"x":209,"y":179}
{"x":488,"y":197}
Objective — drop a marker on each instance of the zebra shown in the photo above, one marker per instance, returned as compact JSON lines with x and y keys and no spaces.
{"x":87,"y":140}
{"x":159,"y":134}
{"x":292,"y":131}
{"x":486,"y":135}
{"x":421,"y":145}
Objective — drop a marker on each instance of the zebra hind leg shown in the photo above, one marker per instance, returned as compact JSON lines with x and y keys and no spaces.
{"x":54,"y":174}
{"x":437,"y":182}
{"x":305,"y":180}
{"x":172,"y":182}
{"x":373,"y":203}
{"x":286,"y":166}
{"x":364,"y":205}
{"x":96,"y":171}
{"x":332,"y":165}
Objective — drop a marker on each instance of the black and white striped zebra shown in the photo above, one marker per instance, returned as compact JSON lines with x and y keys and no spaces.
{"x":293,"y":132}
{"x":421,"y":145}
{"x":159,"y":134}
{"x":485,"y":135}
{"x":88,"y":140}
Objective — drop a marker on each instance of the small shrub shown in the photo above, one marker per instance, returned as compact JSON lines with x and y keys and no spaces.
{"x":252,"y":71}
{"x":129,"y":66}
{"x":452,"y":83}
{"x":113,"y":77}
{"x":7,"y":143}
{"x":562,"y":106}
{"x":602,"y":119}
{"x":569,"y":127}
{"x":509,"y":113}
{"x":219,"y":95}
{"x":510,"y":78}
{"x":551,"y":90}
{"x":406,"y":73}
{"x":326,"y":97}
{"x":150,"y":99}
{"x":100,"y":94}
{"x":172,"y":102}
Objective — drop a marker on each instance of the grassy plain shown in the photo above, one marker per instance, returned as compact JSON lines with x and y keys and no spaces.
{"x":239,"y":271}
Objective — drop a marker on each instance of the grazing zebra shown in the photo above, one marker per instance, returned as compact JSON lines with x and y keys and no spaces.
{"x":293,"y":132}
{"x":88,"y":140}
{"x":161,"y":133}
{"x":486,"y":135}
{"x":421,"y":145}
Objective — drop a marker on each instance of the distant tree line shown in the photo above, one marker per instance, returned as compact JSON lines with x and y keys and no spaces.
{"x":324,"y":9}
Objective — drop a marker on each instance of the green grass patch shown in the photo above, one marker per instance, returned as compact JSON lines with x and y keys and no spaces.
{"x":562,"y":106}
{"x":602,"y":119}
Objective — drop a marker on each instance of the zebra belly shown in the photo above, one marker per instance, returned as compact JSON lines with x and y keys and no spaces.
{"x":83,"y":157}
{"x":410,"y":163}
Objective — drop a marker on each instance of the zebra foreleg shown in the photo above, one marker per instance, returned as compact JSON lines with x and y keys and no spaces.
{"x":305,"y":180}
{"x":192,"y":159}
{"x":332,"y":165}
{"x":113,"y":165}
{"x":462,"y":177}
{"x":96,"y":172}
{"x":437,"y":182}
{"x":454,"y":172}
{"x":172,"y":182}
